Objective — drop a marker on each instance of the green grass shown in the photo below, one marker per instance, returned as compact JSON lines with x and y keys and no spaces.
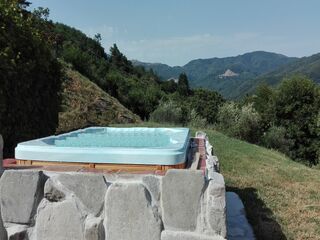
{"x":281,"y":197}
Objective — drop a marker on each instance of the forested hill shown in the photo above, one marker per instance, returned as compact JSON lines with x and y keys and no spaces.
{"x":210,"y":73}
{"x":307,"y":66}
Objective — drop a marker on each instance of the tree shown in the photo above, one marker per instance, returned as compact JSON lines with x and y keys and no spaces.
{"x":296,"y":106}
{"x":30,"y":78}
{"x":98,"y":38}
{"x":183,"y":85}
{"x":206,"y":103}
{"x":169,"y":86}
{"x":263,"y":103}
{"x":119,"y":60}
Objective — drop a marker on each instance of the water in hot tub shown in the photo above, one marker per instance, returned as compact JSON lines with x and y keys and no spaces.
{"x":116,"y":138}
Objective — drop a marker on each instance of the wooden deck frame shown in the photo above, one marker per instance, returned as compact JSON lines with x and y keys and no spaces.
{"x":103,"y":166}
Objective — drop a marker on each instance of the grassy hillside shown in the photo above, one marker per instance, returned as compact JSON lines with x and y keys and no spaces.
{"x":281,"y":197}
{"x":85,"y":104}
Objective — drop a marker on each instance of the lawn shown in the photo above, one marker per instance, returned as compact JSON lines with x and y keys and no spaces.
{"x":281,"y":197}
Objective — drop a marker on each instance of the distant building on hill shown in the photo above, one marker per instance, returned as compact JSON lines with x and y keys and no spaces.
{"x":228,"y":73}
{"x":173,"y":79}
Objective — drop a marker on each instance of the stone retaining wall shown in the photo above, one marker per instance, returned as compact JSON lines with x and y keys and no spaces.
{"x":183,"y":204}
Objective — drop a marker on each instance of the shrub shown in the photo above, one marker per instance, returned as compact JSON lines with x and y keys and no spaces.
{"x":275,"y":138}
{"x":196,"y":120}
{"x":228,"y":115}
{"x":248,"y":124}
{"x":243,"y":123}
{"x":167,"y":112}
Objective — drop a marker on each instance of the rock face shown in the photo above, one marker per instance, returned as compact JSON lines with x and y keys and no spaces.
{"x":59,"y":221}
{"x":180,"y":200}
{"x":89,"y":188}
{"x":94,"y":229}
{"x":17,"y":232}
{"x":228,"y":73}
{"x":3,"y":231}
{"x":153,"y":185}
{"x":129,"y":213}
{"x":54,"y":192}
{"x":173,"y":235}
{"x":215,"y":206}
{"x":20,"y":194}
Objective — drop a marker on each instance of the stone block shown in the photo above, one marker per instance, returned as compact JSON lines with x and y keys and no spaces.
{"x":216,"y":205}
{"x":53,"y":191}
{"x":20,"y":193}
{"x":17,"y":232}
{"x":3,"y":231}
{"x":180,"y":200}
{"x":179,"y":235}
{"x":152,"y":183}
{"x":60,"y":221}
{"x":94,"y":229}
{"x":89,"y":188}
{"x":129,"y":214}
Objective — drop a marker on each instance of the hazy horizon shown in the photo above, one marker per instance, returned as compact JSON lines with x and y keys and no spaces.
{"x":175,"y":32}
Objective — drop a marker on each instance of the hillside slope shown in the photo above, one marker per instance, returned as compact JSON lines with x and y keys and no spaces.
{"x":85,"y":104}
{"x":281,"y":196}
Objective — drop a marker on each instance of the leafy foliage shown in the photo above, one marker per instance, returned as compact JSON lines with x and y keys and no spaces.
{"x":296,"y":107}
{"x":275,"y":138}
{"x":30,"y":77}
{"x":183,"y":85}
{"x":206,"y":103}
{"x":167,"y":112}
{"x":241,"y":122}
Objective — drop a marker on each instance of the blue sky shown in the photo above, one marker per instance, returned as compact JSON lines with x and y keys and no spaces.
{"x":177,"y":31}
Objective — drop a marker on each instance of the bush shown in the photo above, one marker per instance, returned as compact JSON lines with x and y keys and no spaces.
{"x":243,"y":123}
{"x":167,"y":112}
{"x":248,"y":124}
{"x":275,"y":138}
{"x":228,"y":115}
{"x":196,"y":120}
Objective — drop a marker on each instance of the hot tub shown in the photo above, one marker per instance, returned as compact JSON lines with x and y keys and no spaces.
{"x":108,"y":145}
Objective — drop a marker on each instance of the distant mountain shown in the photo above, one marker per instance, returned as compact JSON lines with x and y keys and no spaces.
{"x":207,"y":72}
{"x":308,"y":66}
{"x":163,"y":70}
